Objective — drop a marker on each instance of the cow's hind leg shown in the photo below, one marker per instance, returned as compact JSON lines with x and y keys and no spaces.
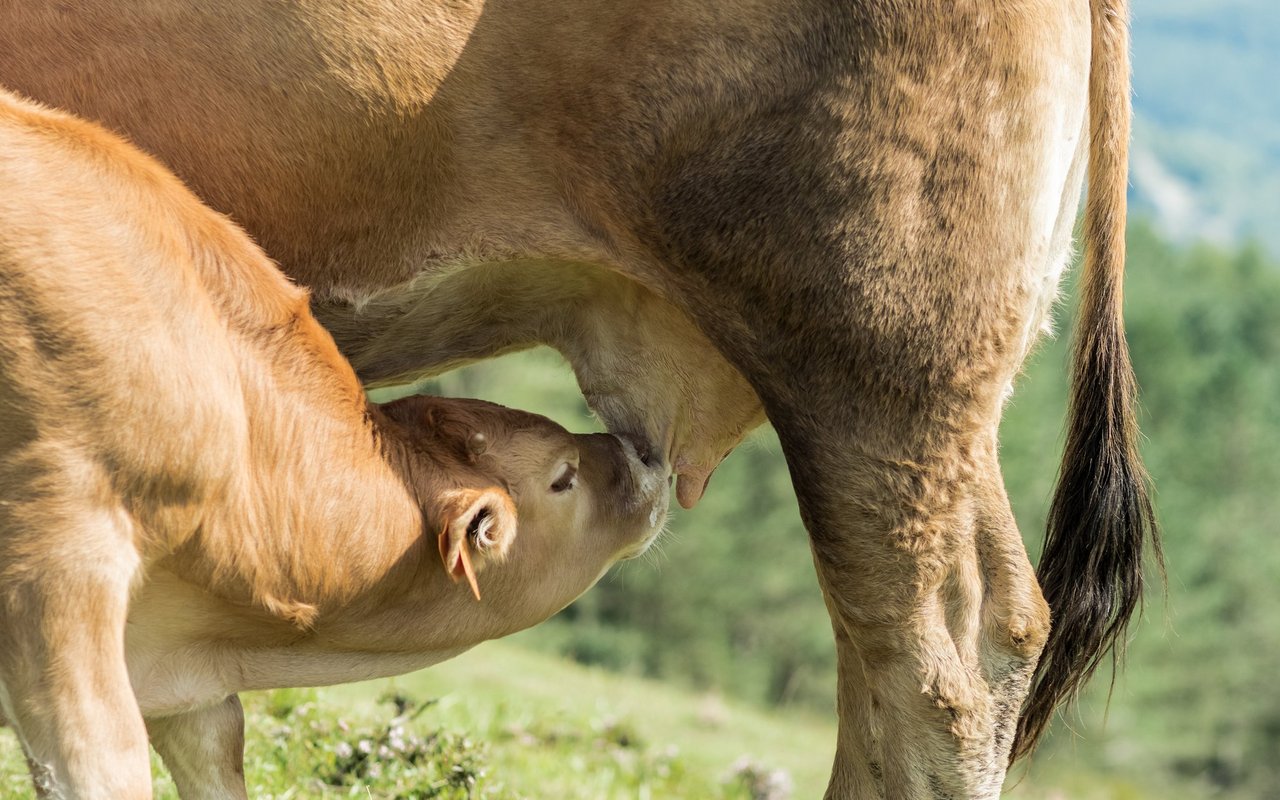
{"x":65,"y":577}
{"x":856,"y":771}
{"x":204,"y":750}
{"x":870,"y":252}
{"x":1014,"y":617}
{"x":883,"y":370}
{"x":937,"y":615}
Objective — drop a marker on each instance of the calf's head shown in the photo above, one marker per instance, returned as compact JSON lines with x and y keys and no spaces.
{"x":538,"y":514}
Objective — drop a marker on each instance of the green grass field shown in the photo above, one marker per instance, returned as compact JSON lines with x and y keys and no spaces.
{"x":510,"y":723}
{"x":504,"y":722}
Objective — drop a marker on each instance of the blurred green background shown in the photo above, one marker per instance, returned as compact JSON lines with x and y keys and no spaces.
{"x":706,"y":669}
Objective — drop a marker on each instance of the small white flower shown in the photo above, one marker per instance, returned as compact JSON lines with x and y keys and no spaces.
{"x":779,"y":785}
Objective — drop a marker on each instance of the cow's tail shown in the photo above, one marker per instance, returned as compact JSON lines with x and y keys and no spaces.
{"x":1102,"y":515}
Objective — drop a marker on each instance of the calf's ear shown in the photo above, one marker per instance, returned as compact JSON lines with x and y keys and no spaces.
{"x":479,"y":527}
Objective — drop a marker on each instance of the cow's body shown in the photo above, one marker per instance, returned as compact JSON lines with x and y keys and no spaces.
{"x":853,"y":215}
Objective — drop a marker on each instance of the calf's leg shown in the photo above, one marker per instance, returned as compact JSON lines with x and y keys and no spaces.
{"x":204,"y":750}
{"x":63,"y":604}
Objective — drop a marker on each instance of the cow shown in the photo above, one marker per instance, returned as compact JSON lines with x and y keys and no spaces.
{"x":196,"y":498}
{"x":850,"y":218}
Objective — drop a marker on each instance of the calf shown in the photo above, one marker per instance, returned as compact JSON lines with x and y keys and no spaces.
{"x":196,"y":498}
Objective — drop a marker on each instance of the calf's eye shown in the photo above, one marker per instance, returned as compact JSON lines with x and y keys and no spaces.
{"x":567,"y":478}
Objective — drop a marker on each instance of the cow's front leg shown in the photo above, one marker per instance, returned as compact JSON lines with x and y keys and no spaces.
{"x":204,"y":750}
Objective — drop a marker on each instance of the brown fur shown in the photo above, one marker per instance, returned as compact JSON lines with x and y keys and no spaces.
{"x":851,"y":214}
{"x":196,"y":498}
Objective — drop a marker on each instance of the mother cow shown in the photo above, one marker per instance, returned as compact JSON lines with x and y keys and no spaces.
{"x":852,"y":213}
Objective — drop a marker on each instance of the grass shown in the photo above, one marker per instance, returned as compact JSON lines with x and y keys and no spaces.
{"x":505,"y":723}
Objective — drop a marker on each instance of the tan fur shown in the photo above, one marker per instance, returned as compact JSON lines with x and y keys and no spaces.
{"x":859,"y":210}
{"x":196,"y":498}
